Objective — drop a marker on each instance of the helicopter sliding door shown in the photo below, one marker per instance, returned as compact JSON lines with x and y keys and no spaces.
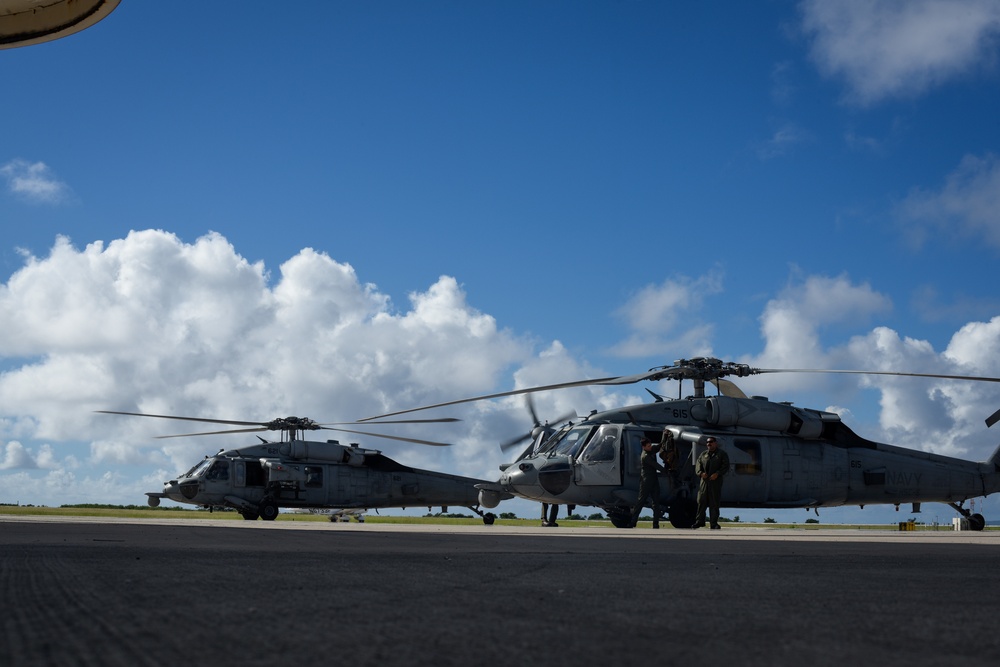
{"x":600,"y":463}
{"x":248,"y":474}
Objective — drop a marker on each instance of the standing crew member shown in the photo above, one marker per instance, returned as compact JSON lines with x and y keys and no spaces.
{"x":549,"y":514}
{"x":710,"y":467}
{"x":649,"y":485}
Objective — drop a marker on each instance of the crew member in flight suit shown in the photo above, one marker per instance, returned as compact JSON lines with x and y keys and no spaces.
{"x":712,"y":464}
{"x":549,"y":514}
{"x":649,"y":485}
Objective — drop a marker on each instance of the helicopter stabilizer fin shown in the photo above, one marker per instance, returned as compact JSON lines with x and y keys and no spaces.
{"x":995,"y":459}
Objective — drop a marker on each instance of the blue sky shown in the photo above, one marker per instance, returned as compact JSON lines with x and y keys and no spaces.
{"x":359,"y":207}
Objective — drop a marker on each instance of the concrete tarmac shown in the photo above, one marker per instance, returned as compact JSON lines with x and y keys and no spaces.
{"x":210,"y":592}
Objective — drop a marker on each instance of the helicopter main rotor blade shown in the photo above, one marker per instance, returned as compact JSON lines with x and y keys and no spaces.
{"x":291,"y":424}
{"x":391,"y":437}
{"x":530,"y":402}
{"x":974,"y":378}
{"x":189,"y":419}
{"x":442,"y":420}
{"x":535,"y":421}
{"x":990,"y":421}
{"x":515,"y":392}
{"x":234,"y":422}
{"x":189,"y":435}
{"x":563,"y":418}
{"x":630,"y":379}
{"x":694,"y":369}
{"x":504,"y":446}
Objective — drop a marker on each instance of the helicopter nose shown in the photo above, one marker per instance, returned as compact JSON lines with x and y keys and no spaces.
{"x":172,"y":490}
{"x":555,"y":476}
{"x":189,"y":489}
{"x":521,"y":478}
{"x":538,"y":477}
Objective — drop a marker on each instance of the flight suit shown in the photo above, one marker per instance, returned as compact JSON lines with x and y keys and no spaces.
{"x":649,"y":485}
{"x":710,"y":491}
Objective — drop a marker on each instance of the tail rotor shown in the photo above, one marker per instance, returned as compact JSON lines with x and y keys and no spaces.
{"x":539,"y":432}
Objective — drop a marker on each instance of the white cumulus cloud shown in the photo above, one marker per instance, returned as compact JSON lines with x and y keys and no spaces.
{"x":666,"y":317}
{"x":34,"y":181}
{"x":149,"y":323}
{"x":890,"y":49}
{"x":967,"y":205}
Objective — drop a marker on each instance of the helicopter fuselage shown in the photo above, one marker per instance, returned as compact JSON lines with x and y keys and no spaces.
{"x":781,"y":456}
{"x":259,"y":479}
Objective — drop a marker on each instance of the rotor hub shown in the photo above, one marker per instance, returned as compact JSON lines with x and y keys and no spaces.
{"x":702,"y":368}
{"x":292,"y":424}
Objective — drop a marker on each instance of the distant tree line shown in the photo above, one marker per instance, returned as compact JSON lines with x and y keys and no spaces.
{"x":99,"y":506}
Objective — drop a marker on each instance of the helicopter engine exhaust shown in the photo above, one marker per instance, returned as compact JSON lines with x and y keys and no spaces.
{"x":762,"y":414}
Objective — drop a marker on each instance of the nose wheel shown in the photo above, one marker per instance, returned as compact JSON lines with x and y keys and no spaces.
{"x":487,"y":517}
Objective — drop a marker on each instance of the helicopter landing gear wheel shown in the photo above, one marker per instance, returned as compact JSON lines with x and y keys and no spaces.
{"x":977,"y":522}
{"x":487,"y":517}
{"x":249,"y":515}
{"x":268,"y":509}
{"x":683,"y":512}
{"x":619,"y":518}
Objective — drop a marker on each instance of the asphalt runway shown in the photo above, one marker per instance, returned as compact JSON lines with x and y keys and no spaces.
{"x":170,"y":592}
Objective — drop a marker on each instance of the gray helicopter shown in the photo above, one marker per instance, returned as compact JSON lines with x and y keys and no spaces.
{"x":781,"y":456}
{"x":259,"y":479}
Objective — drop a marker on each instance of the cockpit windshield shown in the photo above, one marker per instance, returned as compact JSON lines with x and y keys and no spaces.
{"x":572,"y":440}
{"x":548,"y":444}
{"x":199,"y":469}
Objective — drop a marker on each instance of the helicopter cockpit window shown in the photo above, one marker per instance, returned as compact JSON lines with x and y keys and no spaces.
{"x":602,"y":446}
{"x":219,"y":470}
{"x":550,"y":443}
{"x":199,"y":469}
{"x":748,"y":461}
{"x":574,"y":439}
